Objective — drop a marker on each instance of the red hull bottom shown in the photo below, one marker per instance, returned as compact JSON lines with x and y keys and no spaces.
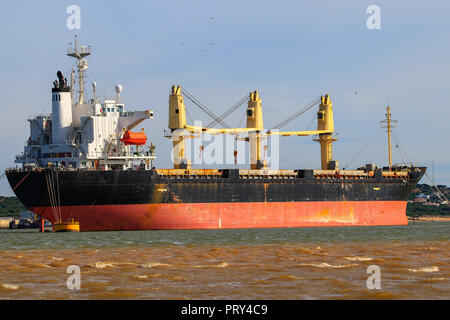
{"x":231,"y":215}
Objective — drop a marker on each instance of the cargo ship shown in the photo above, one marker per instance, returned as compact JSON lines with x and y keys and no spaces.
{"x":84,"y":163}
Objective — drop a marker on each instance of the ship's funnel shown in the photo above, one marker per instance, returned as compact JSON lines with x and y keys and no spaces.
{"x":61,"y":111}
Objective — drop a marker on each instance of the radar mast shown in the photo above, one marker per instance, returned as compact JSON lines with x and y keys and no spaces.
{"x":79,"y":53}
{"x":388,"y":123}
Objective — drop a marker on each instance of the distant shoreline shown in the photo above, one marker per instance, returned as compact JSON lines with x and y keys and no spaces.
{"x":429,"y":218}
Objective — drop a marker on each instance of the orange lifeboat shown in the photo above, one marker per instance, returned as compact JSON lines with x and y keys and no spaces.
{"x":134,"y":138}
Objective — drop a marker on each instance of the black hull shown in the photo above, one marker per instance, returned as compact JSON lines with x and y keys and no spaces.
{"x":75,"y":188}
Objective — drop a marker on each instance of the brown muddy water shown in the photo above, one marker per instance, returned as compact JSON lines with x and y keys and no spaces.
{"x":298,"y":263}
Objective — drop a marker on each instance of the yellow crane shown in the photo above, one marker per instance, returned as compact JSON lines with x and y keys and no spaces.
{"x":180,"y":130}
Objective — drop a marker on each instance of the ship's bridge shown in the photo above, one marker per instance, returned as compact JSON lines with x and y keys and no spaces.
{"x":86,"y":133}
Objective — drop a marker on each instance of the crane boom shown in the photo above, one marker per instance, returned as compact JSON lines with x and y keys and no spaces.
{"x":180,"y":130}
{"x":297,"y":133}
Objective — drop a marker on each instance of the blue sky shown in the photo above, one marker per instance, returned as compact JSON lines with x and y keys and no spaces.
{"x":291,"y":51}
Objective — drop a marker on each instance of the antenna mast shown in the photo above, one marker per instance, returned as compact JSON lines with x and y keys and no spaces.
{"x":79,"y":53}
{"x":72,"y":83}
{"x":389,"y":124}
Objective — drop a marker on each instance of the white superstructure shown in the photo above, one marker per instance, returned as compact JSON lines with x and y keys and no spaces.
{"x":86,"y":135}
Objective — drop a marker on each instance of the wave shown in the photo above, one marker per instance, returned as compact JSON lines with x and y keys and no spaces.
{"x":425,"y":269}
{"x":326,"y":265}
{"x":359,"y":258}
{"x":434,"y":279}
{"x":439,"y":279}
{"x":107,"y":264}
{"x":220,"y":265}
{"x":286,"y":277}
{"x":303,"y":250}
{"x":41,"y":265}
{"x":9,"y":286}
{"x":57,"y":264}
{"x":102,"y":265}
{"x":154,"y":264}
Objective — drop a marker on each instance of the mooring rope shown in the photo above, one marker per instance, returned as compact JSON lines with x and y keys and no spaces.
{"x":52,"y":195}
{"x":59,"y":198}
{"x":49,"y":192}
{"x":435,"y":186}
{"x":13,"y":189}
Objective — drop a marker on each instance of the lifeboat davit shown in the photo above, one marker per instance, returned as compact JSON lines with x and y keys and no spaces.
{"x":134,"y":138}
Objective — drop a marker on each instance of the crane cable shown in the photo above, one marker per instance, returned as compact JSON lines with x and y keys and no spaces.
{"x":189,"y":116}
{"x":229,"y":111}
{"x":297,"y":114}
{"x":241,"y":122}
{"x":202,"y":107}
{"x":402,"y":152}
{"x":311,"y":122}
{"x":369,"y":143}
